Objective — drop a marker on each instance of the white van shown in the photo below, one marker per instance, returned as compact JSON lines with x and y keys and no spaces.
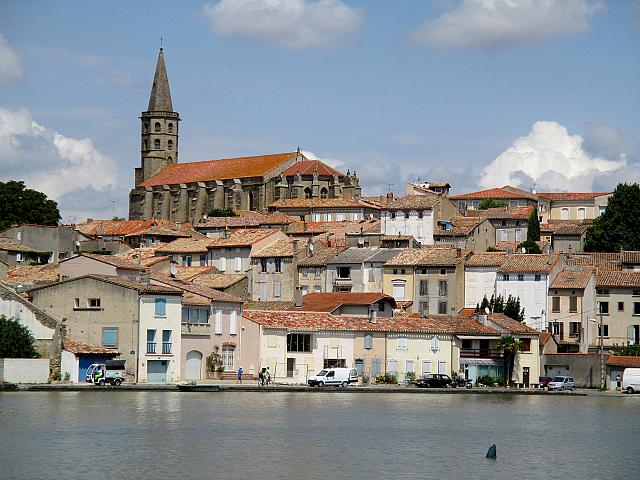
{"x":334,"y":376}
{"x":631,"y":380}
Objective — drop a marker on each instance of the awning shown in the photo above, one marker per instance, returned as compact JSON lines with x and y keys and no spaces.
{"x":481,"y":361}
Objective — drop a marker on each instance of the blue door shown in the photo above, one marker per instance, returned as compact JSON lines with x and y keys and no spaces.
{"x":85,"y":363}
{"x":157,"y":371}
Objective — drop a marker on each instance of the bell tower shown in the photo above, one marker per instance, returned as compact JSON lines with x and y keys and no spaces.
{"x":158,"y":127}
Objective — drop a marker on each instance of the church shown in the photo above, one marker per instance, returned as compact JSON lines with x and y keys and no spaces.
{"x":184,"y":192}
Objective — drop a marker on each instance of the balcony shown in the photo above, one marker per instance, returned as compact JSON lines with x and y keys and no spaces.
{"x":343,"y":281}
{"x":196,"y":329}
{"x":481,"y":353}
{"x":166,"y":348}
{"x":151,"y":347}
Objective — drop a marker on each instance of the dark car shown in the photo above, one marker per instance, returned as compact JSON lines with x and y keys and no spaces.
{"x":434,"y":380}
{"x":544,"y":381}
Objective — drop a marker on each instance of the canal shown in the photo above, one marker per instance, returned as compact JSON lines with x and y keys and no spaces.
{"x":50,"y":435}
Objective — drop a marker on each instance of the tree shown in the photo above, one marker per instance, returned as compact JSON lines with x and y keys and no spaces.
{"x":625,"y":350}
{"x":529,"y":247}
{"x":533,"y":227}
{"x":618,"y":226}
{"x":23,"y":205}
{"x":497,"y":305}
{"x":513,"y":310}
{"x":16,"y":340}
{"x":491,"y":203}
{"x":510,"y":345}
{"x":222,"y":212}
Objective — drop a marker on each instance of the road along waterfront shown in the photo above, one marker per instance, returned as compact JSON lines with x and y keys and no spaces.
{"x":156,"y":434}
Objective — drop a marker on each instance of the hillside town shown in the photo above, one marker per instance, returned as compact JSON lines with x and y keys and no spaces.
{"x":284,"y":262}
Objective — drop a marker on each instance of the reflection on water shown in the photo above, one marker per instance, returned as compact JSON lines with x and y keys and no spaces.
{"x":309,"y":436}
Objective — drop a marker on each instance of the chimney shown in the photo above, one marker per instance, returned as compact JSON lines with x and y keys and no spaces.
{"x":458,"y":252}
{"x":373,"y":316}
{"x":298,"y":297}
{"x":296,"y":247}
{"x":144,"y":277}
{"x":389,"y":198}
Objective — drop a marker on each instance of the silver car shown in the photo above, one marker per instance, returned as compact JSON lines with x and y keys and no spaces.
{"x":561,"y":383}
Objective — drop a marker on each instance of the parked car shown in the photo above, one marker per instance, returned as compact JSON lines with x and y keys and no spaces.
{"x":544,"y":381}
{"x":434,"y":380}
{"x":631,"y":380}
{"x":334,"y":376}
{"x":112,"y":371}
{"x":561,"y":383}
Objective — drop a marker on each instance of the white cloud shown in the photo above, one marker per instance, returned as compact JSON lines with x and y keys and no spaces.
{"x":504,"y":23}
{"x":10,"y":65}
{"x":552,"y":159}
{"x":294,"y":24}
{"x":48,"y":161}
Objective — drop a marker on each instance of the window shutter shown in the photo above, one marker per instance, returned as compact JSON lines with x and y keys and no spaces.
{"x":161,"y":307}
{"x":561,"y":330}
{"x":272,"y":341}
{"x":276,"y":289}
{"x":375,"y":366}
{"x":435,"y":343}
{"x":223,"y":264}
{"x":238,"y":264}
{"x":233,"y":322}
{"x":218,"y":321}
{"x":368,"y":341}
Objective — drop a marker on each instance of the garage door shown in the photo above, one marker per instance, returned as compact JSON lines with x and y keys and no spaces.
{"x":194,"y":365}
{"x":157,"y":371}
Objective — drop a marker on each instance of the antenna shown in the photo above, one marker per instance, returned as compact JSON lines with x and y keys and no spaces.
{"x":389,"y":185}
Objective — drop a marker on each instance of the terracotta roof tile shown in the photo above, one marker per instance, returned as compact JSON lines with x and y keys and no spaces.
{"x":565,"y":227}
{"x":267,"y":306}
{"x":512,"y":213}
{"x":141,"y":288}
{"x":623,"y":361}
{"x":118,"y":262}
{"x":223,"y":169}
{"x":460,"y":227}
{"x":571,"y":196}
{"x":427,"y":256}
{"x":618,"y":279}
{"x":604,"y":261}
{"x":283,"y":247}
{"x":321,"y":203}
{"x":186,"y":245}
{"x":188,"y":273}
{"x":570,"y":278}
{"x":321,"y":256}
{"x":505,"y":324}
{"x":219,"y":280}
{"x":119,"y":227}
{"x":632,"y":257}
{"x":486,"y":259}
{"x":414,"y":202}
{"x":309,"y":167}
{"x":32,"y":274}
{"x":330,"y":301}
{"x":544,"y":338}
{"x":84,"y":348}
{"x":244,"y":237}
{"x":13,"y":246}
{"x":529,"y":263}
{"x":195,"y":289}
{"x":506,"y":192}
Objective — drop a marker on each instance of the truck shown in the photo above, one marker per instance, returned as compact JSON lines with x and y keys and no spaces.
{"x":339,"y":377}
{"x":112,"y":372}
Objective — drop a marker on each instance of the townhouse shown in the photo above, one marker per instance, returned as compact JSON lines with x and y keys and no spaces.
{"x":274,"y":270}
{"x":480,"y":272}
{"x":510,"y":223}
{"x":513,"y":197}
{"x":576,"y":206}
{"x":527,"y":277}
{"x":358,"y":269}
{"x":472,"y":233}
{"x":427,"y":280}
{"x":565,"y":236}
{"x":61,"y":240}
{"x":363,"y":304}
{"x":312,"y":270}
{"x":89,"y":263}
{"x":618,"y":316}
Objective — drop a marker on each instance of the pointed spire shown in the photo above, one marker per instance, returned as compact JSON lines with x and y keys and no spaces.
{"x":160,"y":99}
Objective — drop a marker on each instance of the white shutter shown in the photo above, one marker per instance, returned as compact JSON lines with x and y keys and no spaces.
{"x":223,"y":264}
{"x":233,"y":322}
{"x":409,"y":366}
{"x":270,"y":265}
{"x":238,"y":264}
{"x":398,"y":291}
{"x":276,"y":289}
{"x":218,"y":321}
{"x":402,"y":342}
{"x":442,"y":367}
{"x":435,"y":343}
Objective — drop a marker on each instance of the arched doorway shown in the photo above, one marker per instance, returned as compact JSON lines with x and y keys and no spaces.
{"x":193,"y":369}
{"x":228,"y":354}
{"x":307,"y":193}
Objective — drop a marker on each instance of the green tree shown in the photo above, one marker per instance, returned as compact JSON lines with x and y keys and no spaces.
{"x":510,"y":345}
{"x":23,"y":205}
{"x":626,"y":350}
{"x":529,"y":246}
{"x":533,"y":227}
{"x":16,"y":340}
{"x":491,"y":203}
{"x":513,"y":310}
{"x":618,"y":226}
{"x":222,"y":212}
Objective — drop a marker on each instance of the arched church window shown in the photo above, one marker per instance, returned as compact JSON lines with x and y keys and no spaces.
{"x":170,"y":145}
{"x":307,"y":193}
{"x":156,"y":144}
{"x":157,"y":126}
{"x":324,"y":193}
{"x":169,"y":159}
{"x":170,"y":128}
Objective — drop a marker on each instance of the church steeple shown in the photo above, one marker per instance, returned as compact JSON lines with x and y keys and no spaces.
{"x":160,"y":99}
{"x":159,"y":127}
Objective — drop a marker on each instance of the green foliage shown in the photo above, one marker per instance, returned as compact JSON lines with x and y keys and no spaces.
{"x":530,"y":246}
{"x":491,"y":203}
{"x":485,"y":304}
{"x":490,"y":381}
{"x":492,"y":249}
{"x":625,"y":350}
{"x":214,"y":363}
{"x":387,"y":379}
{"x":533,"y":228}
{"x":512,"y":309}
{"x":22,"y":205}
{"x":117,"y":219}
{"x":510,"y":345}
{"x":222,"y":212}
{"x":618,"y":226}
{"x":497,"y":304}
{"x":410,"y":377}
{"x":16,"y":340}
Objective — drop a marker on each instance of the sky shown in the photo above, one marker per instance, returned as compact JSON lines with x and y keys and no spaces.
{"x":538,"y":94}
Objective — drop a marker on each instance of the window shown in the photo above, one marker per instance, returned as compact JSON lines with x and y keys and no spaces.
{"x":93,"y":303}
{"x":262,"y":265}
{"x":424,"y":308}
{"x":555,"y":304}
{"x":573,"y":304}
{"x":277,"y":265}
{"x":318,"y":272}
{"x":203,"y":260}
{"x":276,"y":289}
{"x":636,"y":293}
{"x":621,"y":306}
{"x":161,"y":307}
{"x":218,"y":324}
{"x":399,"y":271}
{"x":339,"y":217}
{"x":375,"y":366}
{"x":305,"y":290}
{"x":324,"y":193}
{"x":574,"y":329}
{"x":170,"y":145}
{"x":233,"y":322}
{"x":393,"y":367}
{"x":556,"y":329}
{"x":170,"y":128}
{"x":538,"y":278}
{"x":299,"y":342}
{"x":344,"y":272}
{"x":228,"y":353}
{"x":402,"y":342}
{"x":505,"y":277}
{"x":145,"y":144}
{"x":604,"y":308}
{"x":76,"y":303}
{"x":435,"y":344}
{"x":636,"y":308}
{"x":110,"y":337}
{"x":604,"y":331}
{"x":406,"y":215}
{"x":317,"y":289}
{"x":151,"y":341}
{"x":564,"y":215}
{"x":145,"y":127}
{"x":520,"y":277}
{"x":602,"y":291}
{"x":156,"y":144}
{"x":166,"y":342}
{"x":409,"y":366}
{"x":581,"y":214}
{"x":223,"y":264}
{"x":238,"y":264}
{"x":443,"y":271}
{"x":424,"y":287}
{"x":195,"y":315}
{"x":442,"y":288}
{"x":518,"y":234}
{"x":393,"y":215}
{"x":503,"y":235}
{"x":442,"y":308}
{"x":307,"y":193}
{"x":420,"y":231}
{"x":420,"y":215}
{"x":157,"y":127}
{"x":372,"y":276}
{"x":368,"y":341}
{"x":186,"y":260}
{"x":399,"y":290}
{"x":304,"y":272}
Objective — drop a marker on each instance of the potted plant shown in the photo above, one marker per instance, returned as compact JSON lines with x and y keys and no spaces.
{"x":215,"y":367}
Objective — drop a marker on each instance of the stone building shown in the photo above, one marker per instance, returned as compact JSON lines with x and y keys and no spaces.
{"x":165,"y":189}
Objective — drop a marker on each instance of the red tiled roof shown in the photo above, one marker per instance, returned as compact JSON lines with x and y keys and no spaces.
{"x":119,"y":227}
{"x":565,"y":227}
{"x":118,"y":262}
{"x":223,"y":169}
{"x":604,"y":261}
{"x":31,"y":274}
{"x":529,"y":263}
{"x":514,"y":213}
{"x":460,"y":227}
{"x":507,"y":324}
{"x":506,"y":192}
{"x":309,"y":167}
{"x":330,"y":301}
{"x":486,"y":259}
{"x":244,"y":237}
{"x":414,"y":202}
{"x":188,"y":273}
{"x":623,"y":361}
{"x":573,"y":278}
{"x":544,"y":338}
{"x":219,"y":281}
{"x":571,"y":196}
{"x":80,"y":348}
{"x":321,"y":203}
{"x":630,"y":256}
{"x":195,"y":289}
{"x":283,"y":247}
{"x":618,"y":279}
{"x":404,"y":303}
{"x":433,"y":255}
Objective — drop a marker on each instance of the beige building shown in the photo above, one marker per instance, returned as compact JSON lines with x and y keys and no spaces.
{"x":576,"y":206}
{"x":472,"y":233}
{"x":618,"y":297}
{"x":274,"y":270}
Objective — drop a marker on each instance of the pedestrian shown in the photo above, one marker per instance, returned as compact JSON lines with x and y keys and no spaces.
{"x":267,"y":376}
{"x":261,"y":376}
{"x":618,"y":383}
{"x":239,"y":379}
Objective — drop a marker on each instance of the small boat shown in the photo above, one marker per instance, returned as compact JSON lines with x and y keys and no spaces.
{"x":192,"y":387}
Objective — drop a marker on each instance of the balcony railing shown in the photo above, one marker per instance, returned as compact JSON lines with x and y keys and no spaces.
{"x":481,"y":353}
{"x":342,"y":281}
{"x":166,"y":348}
{"x":151,"y":347}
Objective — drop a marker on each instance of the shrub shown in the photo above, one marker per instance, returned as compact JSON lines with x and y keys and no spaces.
{"x":410,"y":377}
{"x":387,"y":379}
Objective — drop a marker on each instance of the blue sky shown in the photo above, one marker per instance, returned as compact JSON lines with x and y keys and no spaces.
{"x":470,"y":91}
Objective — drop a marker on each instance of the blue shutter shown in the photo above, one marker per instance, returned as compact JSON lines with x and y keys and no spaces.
{"x":368,"y":341}
{"x":161,"y":307}
{"x":110,"y":337}
{"x":375,"y":366}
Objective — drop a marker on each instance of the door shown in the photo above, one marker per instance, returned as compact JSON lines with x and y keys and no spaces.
{"x":525,"y":376}
{"x":194,"y":365}
{"x":359,"y":366}
{"x":157,"y":371}
{"x":442,"y":367}
{"x":291,"y":366}
{"x":426,"y":367}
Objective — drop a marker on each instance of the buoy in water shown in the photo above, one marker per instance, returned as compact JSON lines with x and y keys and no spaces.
{"x":491,"y":453}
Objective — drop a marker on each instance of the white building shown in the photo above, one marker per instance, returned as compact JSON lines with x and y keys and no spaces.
{"x":527,"y":277}
{"x":480,"y":272}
